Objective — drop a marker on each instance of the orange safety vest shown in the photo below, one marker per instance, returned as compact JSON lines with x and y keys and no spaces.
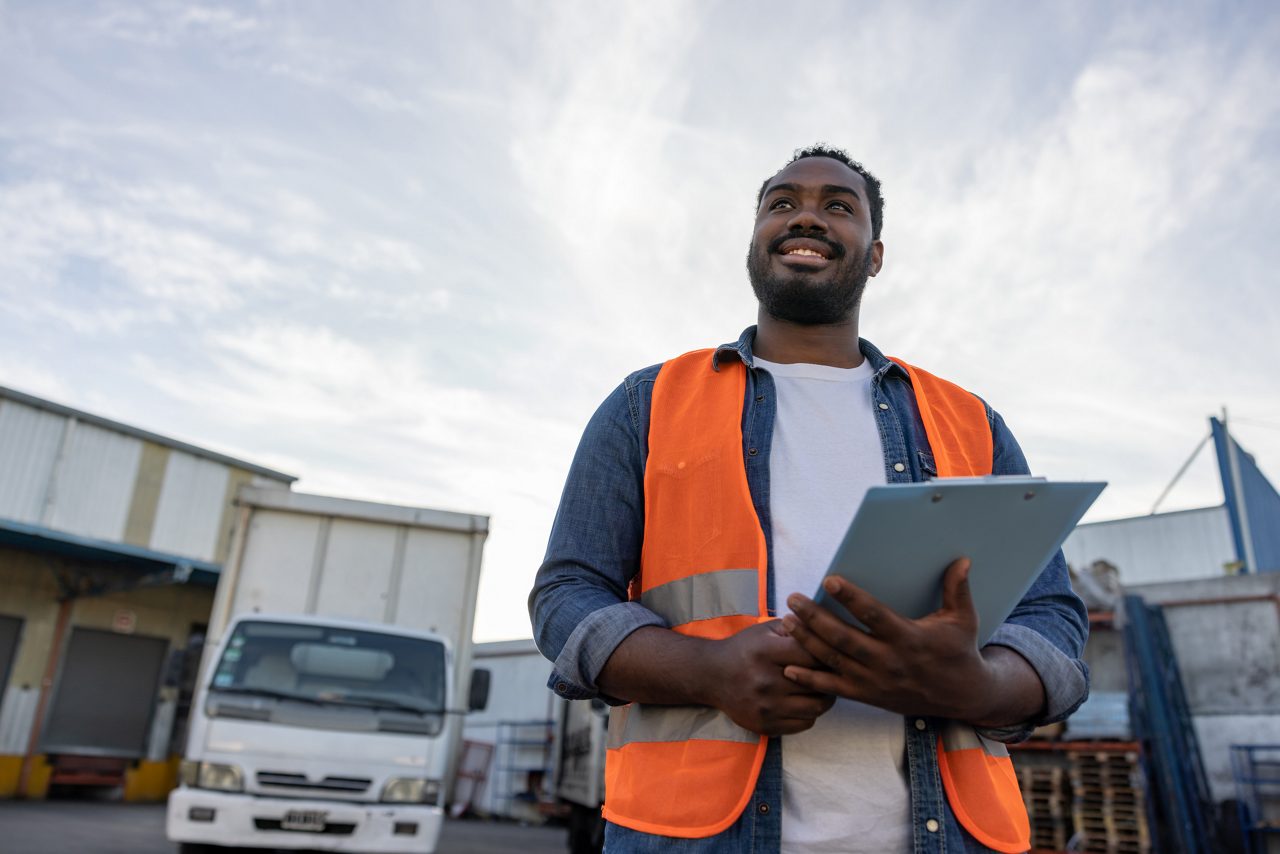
{"x":690,"y":771}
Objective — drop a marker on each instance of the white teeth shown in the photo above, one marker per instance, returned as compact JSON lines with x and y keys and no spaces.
{"x":805,"y":252}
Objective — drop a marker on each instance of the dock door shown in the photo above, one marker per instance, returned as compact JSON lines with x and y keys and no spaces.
{"x":103,"y":705}
{"x":10,"y":631}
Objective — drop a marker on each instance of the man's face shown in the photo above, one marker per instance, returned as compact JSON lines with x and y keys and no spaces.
{"x":812,"y":250}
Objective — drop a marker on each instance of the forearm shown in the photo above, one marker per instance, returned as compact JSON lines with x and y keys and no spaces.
{"x":657,"y":665}
{"x":1011,"y":694}
{"x":741,"y":675}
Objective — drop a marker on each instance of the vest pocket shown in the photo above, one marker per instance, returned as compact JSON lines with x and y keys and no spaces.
{"x":686,"y":498}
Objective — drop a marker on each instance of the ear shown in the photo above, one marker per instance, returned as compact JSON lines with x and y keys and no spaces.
{"x":877,"y":256}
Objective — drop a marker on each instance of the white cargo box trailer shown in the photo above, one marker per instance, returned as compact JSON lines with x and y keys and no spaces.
{"x":335,"y":674}
{"x":515,"y":730}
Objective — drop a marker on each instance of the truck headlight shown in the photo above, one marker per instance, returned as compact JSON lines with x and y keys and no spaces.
{"x":224,"y":778}
{"x":411,"y":790}
{"x":188,"y":772}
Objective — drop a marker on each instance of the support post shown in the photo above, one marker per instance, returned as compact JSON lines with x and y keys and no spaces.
{"x":46,"y":689}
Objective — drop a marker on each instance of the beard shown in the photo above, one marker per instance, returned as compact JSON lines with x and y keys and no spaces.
{"x":794,"y":298}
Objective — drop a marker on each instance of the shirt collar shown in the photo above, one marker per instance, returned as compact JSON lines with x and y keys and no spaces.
{"x":741,"y":349}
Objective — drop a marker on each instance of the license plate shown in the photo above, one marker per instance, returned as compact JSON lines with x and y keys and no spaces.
{"x":310,"y":821}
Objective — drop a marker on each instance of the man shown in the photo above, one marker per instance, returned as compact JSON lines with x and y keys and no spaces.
{"x":707,"y":499}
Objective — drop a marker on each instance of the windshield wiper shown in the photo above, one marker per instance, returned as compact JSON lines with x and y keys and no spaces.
{"x":267,"y":692}
{"x":379,"y":701}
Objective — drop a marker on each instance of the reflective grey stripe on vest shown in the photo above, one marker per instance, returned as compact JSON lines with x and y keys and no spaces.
{"x":958,"y":736}
{"x":723,"y":593}
{"x":644,"y":723}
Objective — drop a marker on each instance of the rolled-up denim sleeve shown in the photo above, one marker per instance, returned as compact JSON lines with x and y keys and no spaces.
{"x":1049,"y":626}
{"x":578,"y":605}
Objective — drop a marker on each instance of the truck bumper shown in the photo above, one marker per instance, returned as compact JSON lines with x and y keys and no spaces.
{"x":222,"y":818}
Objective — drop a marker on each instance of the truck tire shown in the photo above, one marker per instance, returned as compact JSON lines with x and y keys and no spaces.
{"x":586,"y":830}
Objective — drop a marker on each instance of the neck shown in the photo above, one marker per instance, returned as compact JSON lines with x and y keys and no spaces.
{"x":834,"y":344}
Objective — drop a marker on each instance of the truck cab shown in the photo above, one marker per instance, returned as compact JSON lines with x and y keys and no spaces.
{"x":317,"y":733}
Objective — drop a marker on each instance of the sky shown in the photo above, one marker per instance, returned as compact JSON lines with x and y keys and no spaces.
{"x":403,"y":250}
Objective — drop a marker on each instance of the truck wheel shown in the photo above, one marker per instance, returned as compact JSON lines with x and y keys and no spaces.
{"x":195,"y":848}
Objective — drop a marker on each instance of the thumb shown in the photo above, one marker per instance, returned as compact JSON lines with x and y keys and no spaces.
{"x":956,"y":595}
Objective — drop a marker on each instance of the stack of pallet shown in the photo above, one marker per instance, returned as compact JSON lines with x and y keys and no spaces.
{"x":1108,"y":805}
{"x":1047,"y":793}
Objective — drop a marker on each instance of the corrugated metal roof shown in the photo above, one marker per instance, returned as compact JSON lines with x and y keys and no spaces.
{"x":1177,"y":546}
{"x":129,"y":430}
{"x":29,"y":442}
{"x":191,"y":505}
{"x":94,"y":482}
{"x":350,"y":508}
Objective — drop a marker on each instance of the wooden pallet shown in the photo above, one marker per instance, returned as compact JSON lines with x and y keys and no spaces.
{"x":1046,"y":791}
{"x":1108,"y":804}
{"x":1051,"y":834}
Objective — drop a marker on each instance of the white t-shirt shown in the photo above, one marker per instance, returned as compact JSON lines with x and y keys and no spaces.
{"x":844,"y":784}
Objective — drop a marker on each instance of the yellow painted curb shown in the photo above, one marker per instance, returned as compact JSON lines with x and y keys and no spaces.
{"x":151,"y":781}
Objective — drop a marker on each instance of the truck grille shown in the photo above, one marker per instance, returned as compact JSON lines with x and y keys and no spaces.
{"x":347,"y":785}
{"x":277,"y":824}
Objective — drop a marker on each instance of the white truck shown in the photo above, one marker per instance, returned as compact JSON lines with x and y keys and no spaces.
{"x":336,"y":669}
{"x":580,"y":742}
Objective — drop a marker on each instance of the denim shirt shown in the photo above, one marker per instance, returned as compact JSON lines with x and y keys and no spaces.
{"x":580,"y":610}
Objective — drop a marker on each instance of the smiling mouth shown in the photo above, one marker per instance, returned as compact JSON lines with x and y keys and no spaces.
{"x":806,"y":250}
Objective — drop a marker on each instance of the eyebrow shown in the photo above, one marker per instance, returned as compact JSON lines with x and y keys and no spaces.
{"x":827,"y":189}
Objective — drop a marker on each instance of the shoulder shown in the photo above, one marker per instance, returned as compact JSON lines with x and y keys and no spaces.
{"x":637,"y":388}
{"x":644,"y":376}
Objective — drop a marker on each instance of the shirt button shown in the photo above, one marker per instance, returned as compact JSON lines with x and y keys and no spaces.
{"x":759,"y":397}
{"x":932,"y":825}
{"x":899,"y":467}
{"x":561,"y":687}
{"x":920,"y":724}
{"x":884,"y":406}
{"x":751,"y":452}
{"x":764,"y":809}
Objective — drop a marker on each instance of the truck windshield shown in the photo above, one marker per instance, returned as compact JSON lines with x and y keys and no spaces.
{"x":334,"y":666}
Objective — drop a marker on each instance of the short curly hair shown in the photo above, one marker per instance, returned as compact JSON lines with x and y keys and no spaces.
{"x":875,"y":200}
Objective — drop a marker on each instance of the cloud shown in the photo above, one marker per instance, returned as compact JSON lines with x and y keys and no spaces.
{"x":405,"y":253}
{"x":168,"y":24}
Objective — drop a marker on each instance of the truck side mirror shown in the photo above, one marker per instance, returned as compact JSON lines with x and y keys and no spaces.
{"x":479,"y":697}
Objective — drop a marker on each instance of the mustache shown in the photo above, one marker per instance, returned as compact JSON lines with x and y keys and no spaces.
{"x":837,"y":251}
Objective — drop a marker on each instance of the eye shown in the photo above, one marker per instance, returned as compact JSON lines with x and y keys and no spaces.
{"x":780,"y":204}
{"x":844,"y":206}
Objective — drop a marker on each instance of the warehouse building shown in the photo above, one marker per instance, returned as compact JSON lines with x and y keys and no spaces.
{"x":111,"y":541}
{"x":1238,"y":537}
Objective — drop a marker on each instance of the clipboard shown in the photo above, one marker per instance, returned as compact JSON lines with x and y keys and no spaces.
{"x":905,"y":535}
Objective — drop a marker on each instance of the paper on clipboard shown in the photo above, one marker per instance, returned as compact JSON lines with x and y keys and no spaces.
{"x":904,"y":536}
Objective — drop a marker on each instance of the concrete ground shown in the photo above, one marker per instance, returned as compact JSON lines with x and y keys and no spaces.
{"x":85,"y":827}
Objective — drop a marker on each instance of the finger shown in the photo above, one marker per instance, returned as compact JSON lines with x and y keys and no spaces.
{"x":784,"y":648}
{"x":774,"y":627}
{"x":844,"y":637}
{"x":817,"y":651}
{"x":832,"y":644}
{"x":879,"y":618}
{"x":825,"y":682}
{"x":956,"y":595}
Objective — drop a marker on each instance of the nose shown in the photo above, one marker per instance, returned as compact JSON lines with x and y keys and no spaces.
{"x":806,"y":218}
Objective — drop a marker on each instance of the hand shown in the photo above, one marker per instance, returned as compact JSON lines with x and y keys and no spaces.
{"x":930,"y":666}
{"x":751,"y":688}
